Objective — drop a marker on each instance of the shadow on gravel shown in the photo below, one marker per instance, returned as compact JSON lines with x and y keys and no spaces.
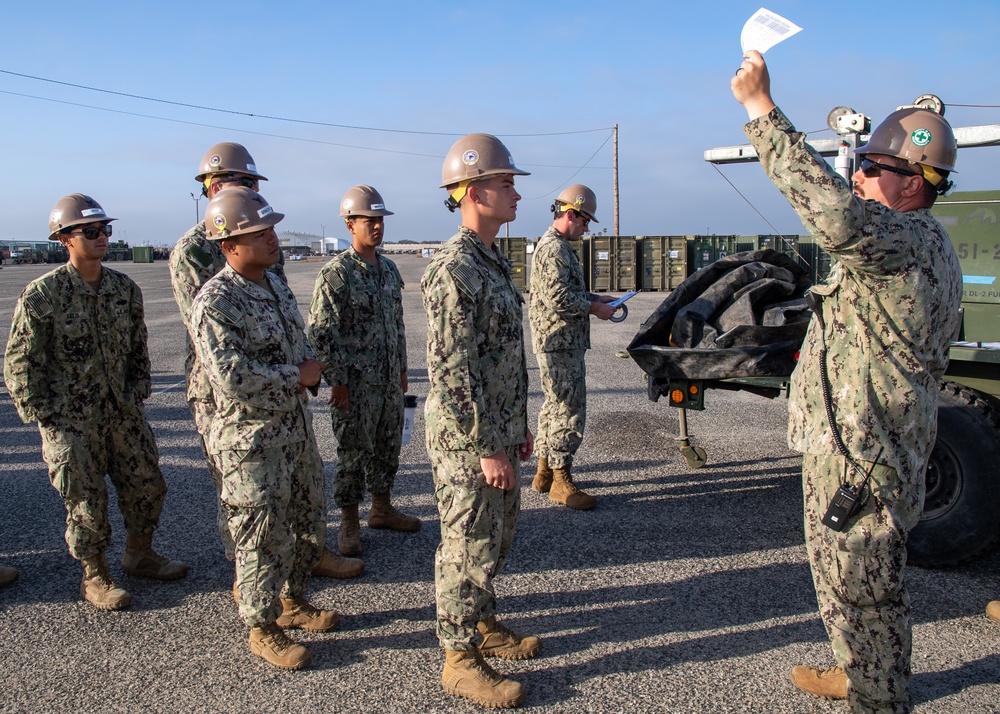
{"x":621,"y":613}
{"x":662,"y":517}
{"x":929,"y":686}
{"x":557,"y":684}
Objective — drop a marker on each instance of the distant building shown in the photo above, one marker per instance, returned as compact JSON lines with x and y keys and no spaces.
{"x":312,"y":242}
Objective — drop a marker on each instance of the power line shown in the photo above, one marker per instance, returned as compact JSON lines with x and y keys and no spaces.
{"x":215,"y":126}
{"x":277,"y":118}
{"x":272,"y":135}
{"x":549,"y":193}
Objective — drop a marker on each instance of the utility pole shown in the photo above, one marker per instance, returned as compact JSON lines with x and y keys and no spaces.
{"x":615,"y":172}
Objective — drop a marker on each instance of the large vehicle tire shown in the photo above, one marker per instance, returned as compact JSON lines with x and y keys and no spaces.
{"x":961,"y":518}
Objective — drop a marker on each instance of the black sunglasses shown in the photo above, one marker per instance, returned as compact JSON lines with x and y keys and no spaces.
{"x":872,"y":169}
{"x":586,"y":221}
{"x":92,"y":232}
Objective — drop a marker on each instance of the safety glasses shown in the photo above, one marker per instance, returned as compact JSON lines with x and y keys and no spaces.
{"x":872,"y":169}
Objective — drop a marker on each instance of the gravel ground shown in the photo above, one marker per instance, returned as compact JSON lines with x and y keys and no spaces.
{"x":684,"y":591}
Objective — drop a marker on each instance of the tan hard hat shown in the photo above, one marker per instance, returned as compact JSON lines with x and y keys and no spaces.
{"x":580,"y":198}
{"x":237,"y":210}
{"x":75,"y":210}
{"x":363,"y":200}
{"x":475,"y":157}
{"x":228,"y":158}
{"x":919,"y":135}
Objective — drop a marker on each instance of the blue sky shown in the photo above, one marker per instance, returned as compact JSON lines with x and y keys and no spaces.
{"x":659,"y":70}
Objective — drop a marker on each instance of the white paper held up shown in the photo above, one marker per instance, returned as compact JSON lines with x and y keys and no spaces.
{"x":764,"y":30}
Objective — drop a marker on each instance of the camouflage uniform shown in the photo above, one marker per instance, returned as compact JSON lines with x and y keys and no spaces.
{"x":250,"y":339}
{"x":476,"y":407}
{"x":356,"y":327}
{"x":889,"y":311}
{"x":193,"y":261}
{"x":559,"y":314}
{"x":77,"y":363}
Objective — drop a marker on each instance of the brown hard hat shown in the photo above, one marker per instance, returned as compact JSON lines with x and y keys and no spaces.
{"x":477,"y":156}
{"x":580,"y":198}
{"x":363,"y":200}
{"x":75,"y":210}
{"x":228,"y":158}
{"x":917,"y":134}
{"x":237,"y":210}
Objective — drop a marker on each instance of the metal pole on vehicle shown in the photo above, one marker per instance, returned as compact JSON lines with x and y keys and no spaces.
{"x":197,"y":212}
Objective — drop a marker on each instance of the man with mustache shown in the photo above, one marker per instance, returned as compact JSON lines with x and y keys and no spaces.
{"x":863,"y":399}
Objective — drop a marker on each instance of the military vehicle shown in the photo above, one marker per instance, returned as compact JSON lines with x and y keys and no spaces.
{"x":118,"y":250}
{"x":961,"y":517}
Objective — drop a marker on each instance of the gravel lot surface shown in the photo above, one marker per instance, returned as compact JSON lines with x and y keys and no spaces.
{"x":684,"y":591}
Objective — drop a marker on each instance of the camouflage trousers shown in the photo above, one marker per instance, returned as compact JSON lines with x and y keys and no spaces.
{"x":203,"y":412}
{"x":79,"y":454}
{"x":477,"y":529}
{"x":369,"y":438}
{"x":858,"y":574}
{"x":563,"y":415}
{"x":277,"y":518}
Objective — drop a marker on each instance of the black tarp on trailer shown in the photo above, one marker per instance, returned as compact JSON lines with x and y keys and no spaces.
{"x":744,"y":315}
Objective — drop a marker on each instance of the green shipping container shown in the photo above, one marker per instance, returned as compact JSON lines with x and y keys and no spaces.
{"x":664,"y":262}
{"x":612,"y":263}
{"x":516,"y":250}
{"x":789,"y":245}
{"x":814,"y":259}
{"x":705,"y":250}
{"x":142,"y":254}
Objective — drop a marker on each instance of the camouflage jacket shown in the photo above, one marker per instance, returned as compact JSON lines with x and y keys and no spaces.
{"x":74,"y":351}
{"x":889,"y":311}
{"x":478,"y":397}
{"x":250,"y":340}
{"x":559,"y":310}
{"x":194,"y":260}
{"x":356,"y":320}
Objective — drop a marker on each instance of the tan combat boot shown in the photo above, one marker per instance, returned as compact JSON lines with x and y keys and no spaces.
{"x":98,"y":588}
{"x":466,"y":674}
{"x":271,"y":644}
{"x":332,"y":565}
{"x":383,"y":514}
{"x":349,"y":537}
{"x":563,"y":491}
{"x":825,"y":683}
{"x":543,"y":477}
{"x":993,"y":611}
{"x":298,"y":614}
{"x":141,"y":560}
{"x":7,"y":575}
{"x":500,"y":641}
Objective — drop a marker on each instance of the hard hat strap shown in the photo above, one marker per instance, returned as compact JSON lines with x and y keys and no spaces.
{"x":932,"y":176}
{"x":460,"y":190}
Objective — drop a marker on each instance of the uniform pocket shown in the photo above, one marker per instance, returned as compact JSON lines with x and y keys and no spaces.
{"x":246,"y":479}
{"x":869,"y":560}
